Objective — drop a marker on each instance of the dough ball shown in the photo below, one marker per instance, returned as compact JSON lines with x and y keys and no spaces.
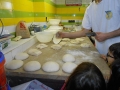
{"x":14,"y":64}
{"x":50,"y":66}
{"x":21,"y":56}
{"x":34,"y":52}
{"x":41,"y":46}
{"x":66,"y":39}
{"x":63,"y":43}
{"x":56,"y":47}
{"x":85,"y":45}
{"x":74,"y":42}
{"x":68,"y":67}
{"x":79,"y":39}
{"x":68,"y":58}
{"x":32,"y":66}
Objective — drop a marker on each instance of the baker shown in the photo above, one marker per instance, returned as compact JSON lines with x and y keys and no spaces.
{"x":103,"y":17}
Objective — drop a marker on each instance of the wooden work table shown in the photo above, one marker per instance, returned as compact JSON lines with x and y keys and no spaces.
{"x":82,"y":54}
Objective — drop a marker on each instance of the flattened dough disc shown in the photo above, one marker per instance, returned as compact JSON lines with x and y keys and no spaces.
{"x":56,"y":40}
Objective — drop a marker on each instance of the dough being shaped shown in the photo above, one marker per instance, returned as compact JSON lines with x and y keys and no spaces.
{"x":79,"y":39}
{"x":63,"y":43}
{"x":21,"y":56}
{"x":41,"y":46}
{"x":56,"y":40}
{"x":68,"y":58}
{"x":34,"y":52}
{"x":50,"y":66}
{"x":32,"y":66}
{"x":14,"y":64}
{"x":56,"y":47}
{"x":74,"y":42}
{"x":85,"y":45}
{"x":66,"y":39}
{"x":68,"y":67}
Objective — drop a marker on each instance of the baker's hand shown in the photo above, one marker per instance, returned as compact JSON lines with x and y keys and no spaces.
{"x":100,"y":36}
{"x":59,"y":34}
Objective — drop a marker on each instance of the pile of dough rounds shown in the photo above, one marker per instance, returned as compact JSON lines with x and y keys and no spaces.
{"x":21,"y":56}
{"x":34,"y":52}
{"x":68,"y":58}
{"x":50,"y":66}
{"x":41,"y":46}
{"x":68,"y":67}
{"x":14,"y":64}
{"x":56,"y":47}
{"x":32,"y":66}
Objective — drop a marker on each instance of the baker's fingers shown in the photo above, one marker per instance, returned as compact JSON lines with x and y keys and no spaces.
{"x":57,"y":35}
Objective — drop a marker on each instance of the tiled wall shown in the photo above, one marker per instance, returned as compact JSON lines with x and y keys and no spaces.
{"x":44,"y":10}
{"x":71,"y":12}
{"x":12,"y":11}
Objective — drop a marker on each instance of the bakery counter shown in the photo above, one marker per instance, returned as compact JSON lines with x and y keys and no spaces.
{"x":81,"y":54}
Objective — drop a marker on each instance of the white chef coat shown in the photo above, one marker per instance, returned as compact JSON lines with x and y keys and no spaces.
{"x":95,"y":19}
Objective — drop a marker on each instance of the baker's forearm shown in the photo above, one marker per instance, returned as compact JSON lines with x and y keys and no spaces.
{"x":76,"y":34}
{"x":113,"y":33}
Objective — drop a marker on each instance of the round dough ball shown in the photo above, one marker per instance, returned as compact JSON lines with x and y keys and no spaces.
{"x":63,"y":43}
{"x":68,"y":67}
{"x":68,"y":58}
{"x":21,"y":56}
{"x":14,"y":64}
{"x":50,"y":66}
{"x":41,"y":46}
{"x":34,"y":52}
{"x":32,"y":66}
{"x":56,"y":47}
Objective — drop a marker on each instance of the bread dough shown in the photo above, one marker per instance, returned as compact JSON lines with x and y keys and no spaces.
{"x":79,"y":39}
{"x":66,"y":39}
{"x":41,"y":46}
{"x":74,"y":42}
{"x":50,"y":66}
{"x":63,"y":43}
{"x":14,"y":64}
{"x":68,"y":58}
{"x":56,"y":47}
{"x":21,"y":56}
{"x":34,"y":52}
{"x":85,"y":45}
{"x":56,"y":40}
{"x":32,"y":66}
{"x":68,"y":67}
